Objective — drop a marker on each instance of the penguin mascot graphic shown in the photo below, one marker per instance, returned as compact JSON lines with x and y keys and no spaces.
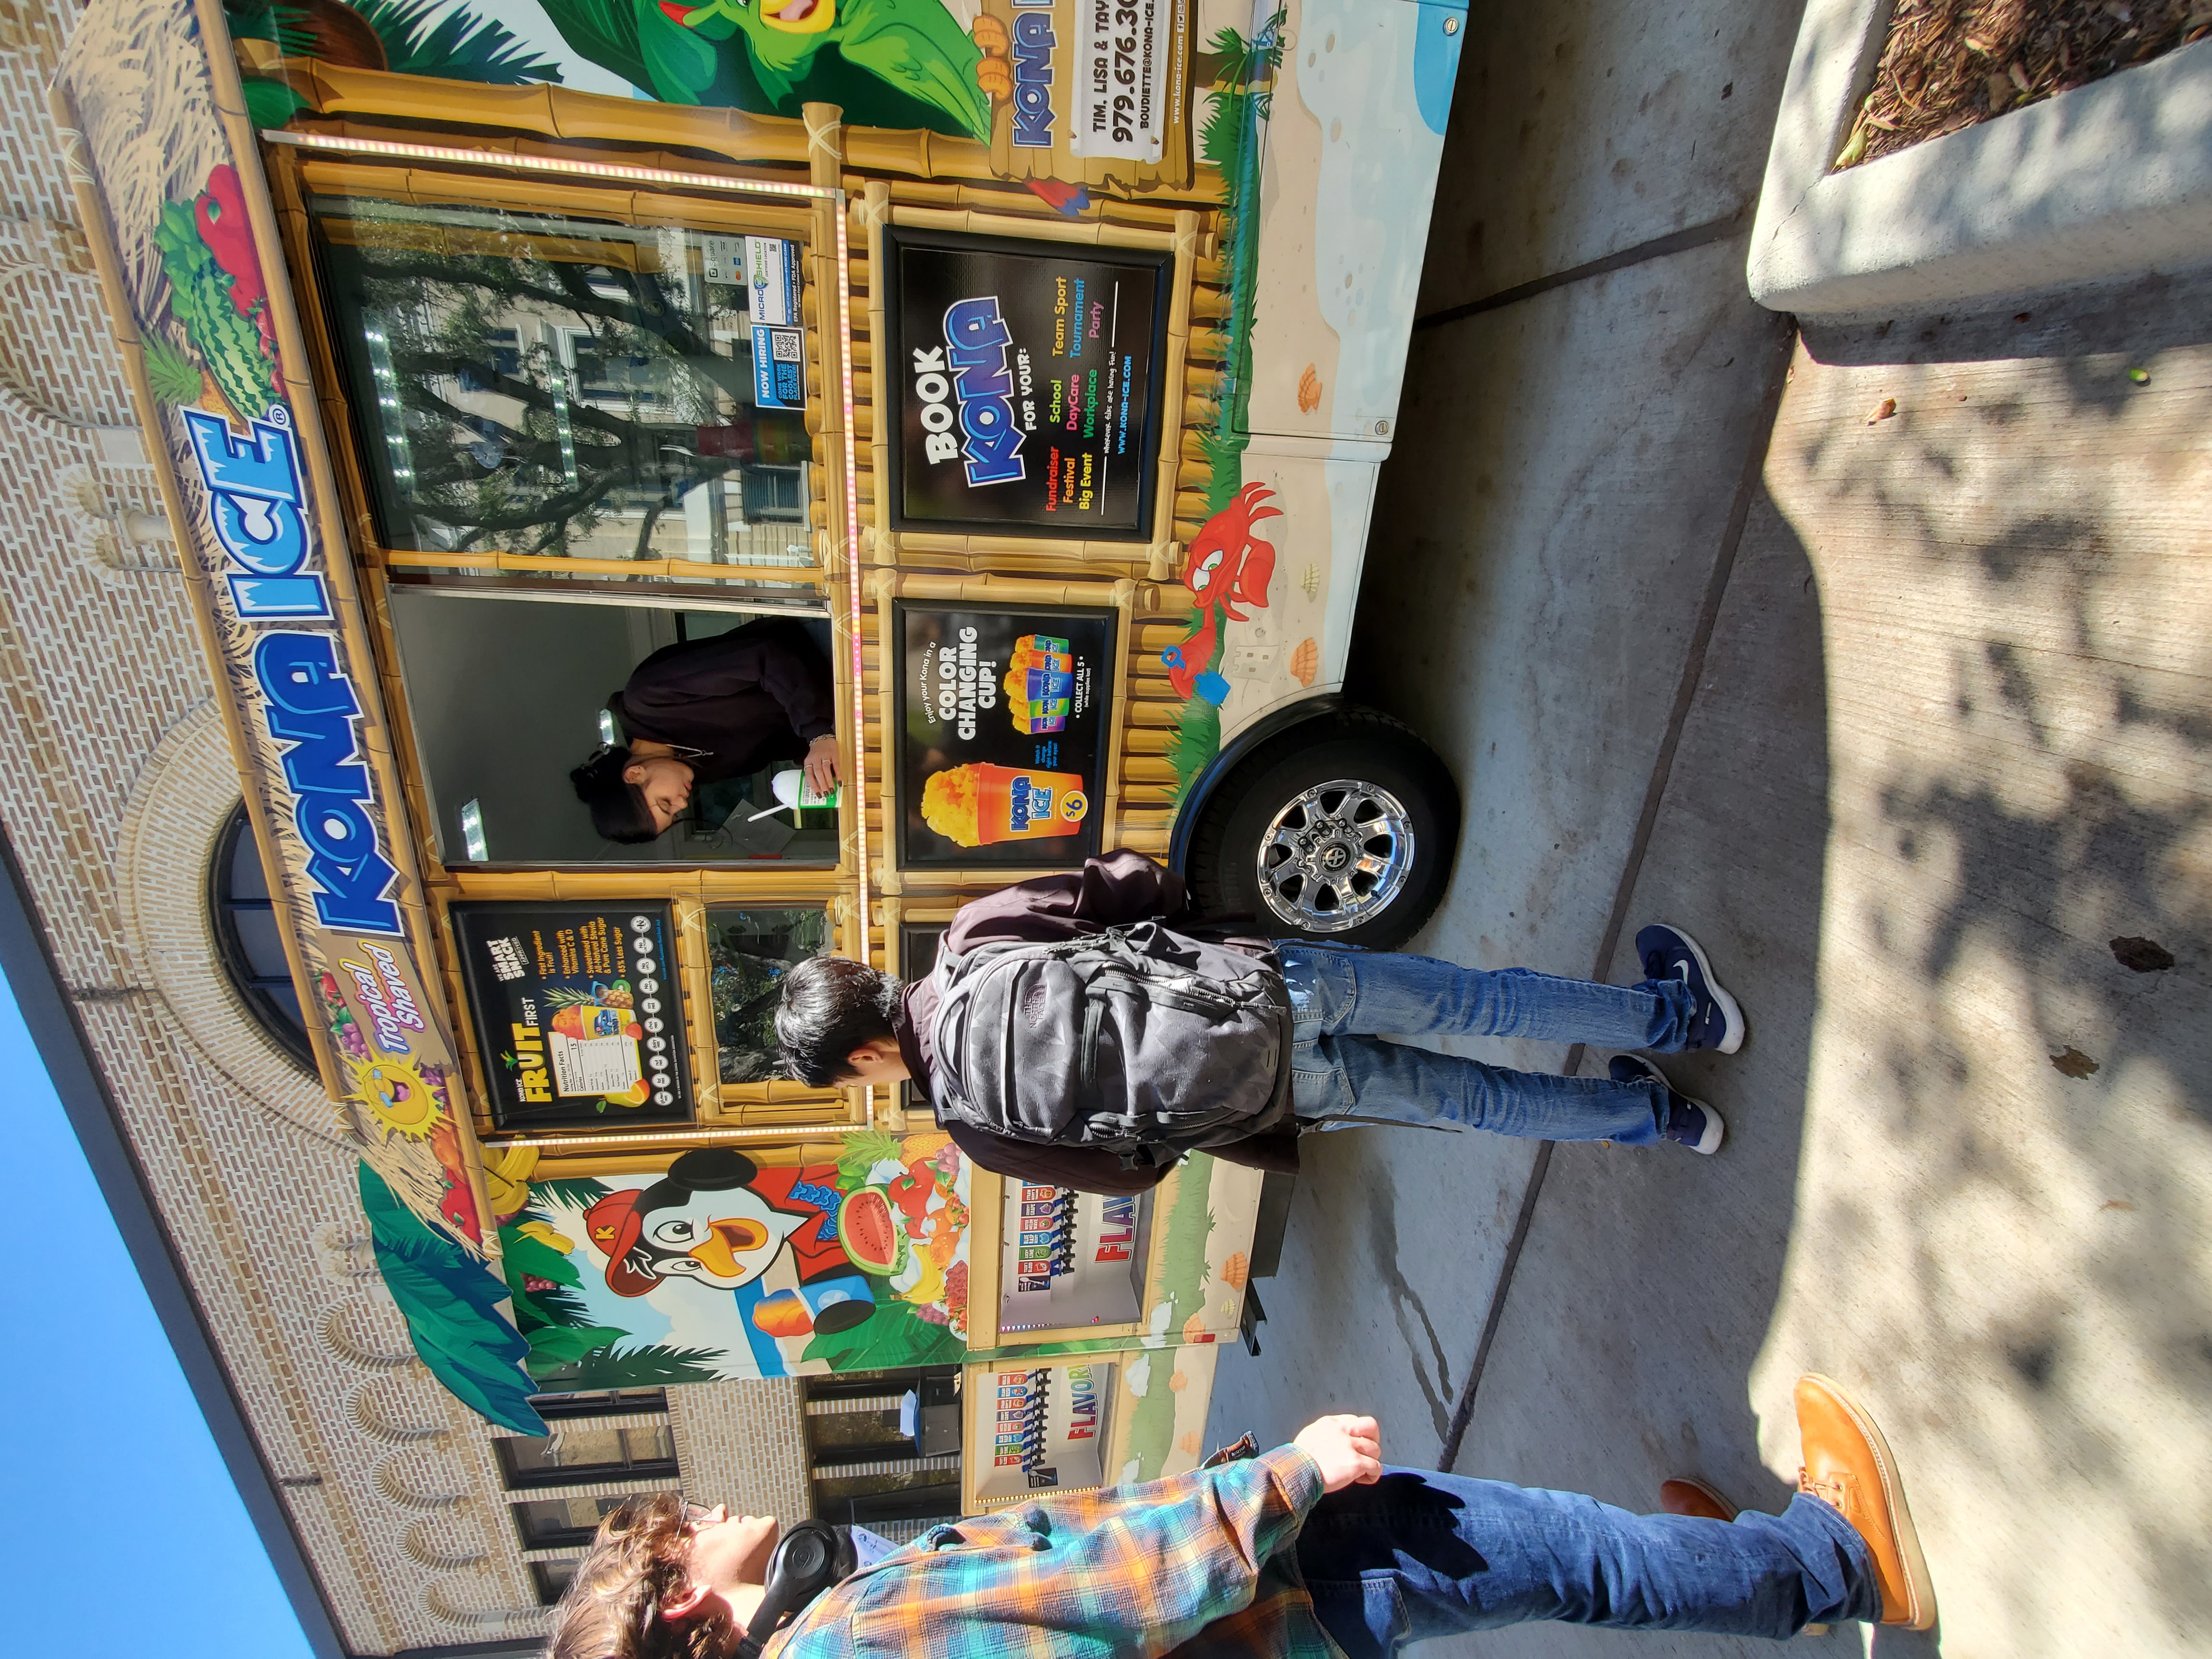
{"x":721,"y":1220}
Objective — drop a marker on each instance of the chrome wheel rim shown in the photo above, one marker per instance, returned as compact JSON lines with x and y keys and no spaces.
{"x":1335,"y":856}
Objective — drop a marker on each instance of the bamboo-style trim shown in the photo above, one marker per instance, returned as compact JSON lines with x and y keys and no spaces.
{"x":785,"y":884}
{"x":561,"y":112}
{"x":438,"y":187}
{"x":641,"y":1151}
{"x":690,"y":917}
{"x":1087,"y":232}
{"x":108,"y":261}
{"x":228,"y":96}
{"x":1015,"y":201}
{"x":985,"y":591}
{"x":883,"y":540}
{"x":1172,"y":374}
{"x":668,"y":570}
{"x":987,"y":1196}
{"x":825,"y":150}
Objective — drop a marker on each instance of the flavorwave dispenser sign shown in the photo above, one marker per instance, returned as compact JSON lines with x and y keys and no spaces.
{"x":1041,"y":1427}
{"x":1070,"y":1258}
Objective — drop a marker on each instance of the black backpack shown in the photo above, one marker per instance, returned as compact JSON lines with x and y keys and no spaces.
{"x":1138,"y":1041}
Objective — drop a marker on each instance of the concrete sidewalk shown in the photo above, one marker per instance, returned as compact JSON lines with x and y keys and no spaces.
{"x":1910,"y":720}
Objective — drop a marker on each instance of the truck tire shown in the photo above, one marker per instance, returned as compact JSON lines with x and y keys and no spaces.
{"x":1341,"y":830}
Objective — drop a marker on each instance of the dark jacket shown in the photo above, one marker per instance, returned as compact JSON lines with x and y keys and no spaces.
{"x":755,"y":695}
{"x":1111,"y":892}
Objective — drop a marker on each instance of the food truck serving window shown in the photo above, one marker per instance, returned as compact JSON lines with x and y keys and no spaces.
{"x":508,"y":691}
{"x":544,"y":384}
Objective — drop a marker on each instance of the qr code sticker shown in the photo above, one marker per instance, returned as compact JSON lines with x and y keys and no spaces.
{"x":784,"y":345}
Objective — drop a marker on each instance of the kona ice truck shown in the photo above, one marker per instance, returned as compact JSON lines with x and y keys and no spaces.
{"x":1038,"y":356}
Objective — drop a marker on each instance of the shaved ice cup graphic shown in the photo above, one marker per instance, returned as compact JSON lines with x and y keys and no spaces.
{"x":981,"y":803}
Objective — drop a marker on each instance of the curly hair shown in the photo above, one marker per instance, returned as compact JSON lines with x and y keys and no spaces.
{"x":639,"y":1560}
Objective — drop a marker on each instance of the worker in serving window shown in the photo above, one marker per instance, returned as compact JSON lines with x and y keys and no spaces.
{"x":702,"y":710}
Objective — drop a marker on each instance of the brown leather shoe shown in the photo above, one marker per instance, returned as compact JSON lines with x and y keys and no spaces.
{"x":1848,"y":1465}
{"x":1684,"y":1495}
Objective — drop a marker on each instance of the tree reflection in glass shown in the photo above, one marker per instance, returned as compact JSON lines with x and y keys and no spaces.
{"x":748,"y":951}
{"x":535,"y":384}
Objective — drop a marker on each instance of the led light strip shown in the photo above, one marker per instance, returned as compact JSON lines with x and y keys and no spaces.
{"x":853,"y":587}
{"x":615,"y":170}
{"x":479,"y":158}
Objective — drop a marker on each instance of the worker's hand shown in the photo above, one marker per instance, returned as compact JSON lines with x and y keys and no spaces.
{"x":822,"y":764}
{"x":1348,"y":1449}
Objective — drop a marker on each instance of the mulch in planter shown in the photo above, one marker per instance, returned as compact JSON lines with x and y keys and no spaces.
{"x":1950,"y":63}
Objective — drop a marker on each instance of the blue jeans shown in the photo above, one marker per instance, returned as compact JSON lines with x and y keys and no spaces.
{"x":1418,"y":1555}
{"x":1342,"y":998}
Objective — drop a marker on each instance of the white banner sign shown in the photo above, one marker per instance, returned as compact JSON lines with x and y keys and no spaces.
{"x":1122,"y":52}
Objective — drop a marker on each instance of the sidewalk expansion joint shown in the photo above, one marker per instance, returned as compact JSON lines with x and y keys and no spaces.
{"x":1678,"y":241}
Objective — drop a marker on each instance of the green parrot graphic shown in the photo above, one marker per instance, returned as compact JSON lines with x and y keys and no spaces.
{"x":885,"y":63}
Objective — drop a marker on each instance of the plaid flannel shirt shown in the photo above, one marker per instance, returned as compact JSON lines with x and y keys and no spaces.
{"x":1195,"y":1565}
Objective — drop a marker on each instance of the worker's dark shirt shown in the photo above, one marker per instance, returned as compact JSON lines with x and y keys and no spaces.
{"x":748,"y":698}
{"x":1112,"y":891}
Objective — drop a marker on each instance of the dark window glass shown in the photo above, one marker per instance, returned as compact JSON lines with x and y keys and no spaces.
{"x":609,"y":1402}
{"x":249,"y":942}
{"x":553,"y":1579}
{"x":580,"y":1453}
{"x":542,"y":384}
{"x":749,"y":950}
{"x":555,"y":1523}
{"x":858,"y":1500}
{"x":507,"y":695}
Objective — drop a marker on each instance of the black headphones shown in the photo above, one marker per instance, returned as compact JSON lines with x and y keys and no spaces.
{"x":809,"y":1558}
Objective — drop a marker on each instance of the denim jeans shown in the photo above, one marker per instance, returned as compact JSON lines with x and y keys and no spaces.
{"x":1418,"y":1555}
{"x":1343,"y":999}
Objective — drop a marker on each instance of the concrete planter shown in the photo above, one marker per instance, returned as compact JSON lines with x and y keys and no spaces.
{"x":2110,"y":179}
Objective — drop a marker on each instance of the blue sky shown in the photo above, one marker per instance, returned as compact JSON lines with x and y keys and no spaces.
{"x":107,"y":1472}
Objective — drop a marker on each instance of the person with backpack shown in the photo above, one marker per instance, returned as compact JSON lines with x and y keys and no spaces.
{"x":1082,"y":1030}
{"x":1315,"y":1550}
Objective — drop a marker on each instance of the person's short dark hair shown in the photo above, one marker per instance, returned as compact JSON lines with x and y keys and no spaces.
{"x":618,"y":808}
{"x":831,"y":1006}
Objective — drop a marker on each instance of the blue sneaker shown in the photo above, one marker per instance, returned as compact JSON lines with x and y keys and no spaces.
{"x":1670,"y":953}
{"x":1690,"y":1122}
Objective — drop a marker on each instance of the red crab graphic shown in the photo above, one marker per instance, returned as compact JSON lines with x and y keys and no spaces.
{"x":1227,"y":566}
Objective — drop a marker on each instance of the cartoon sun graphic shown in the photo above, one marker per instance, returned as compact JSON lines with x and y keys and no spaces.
{"x":397,"y":1095}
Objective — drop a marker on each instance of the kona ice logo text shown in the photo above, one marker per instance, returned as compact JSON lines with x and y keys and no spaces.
{"x":1028,"y":803}
{"x":1033,"y":44}
{"x":309,"y":703}
{"x":971,"y":367}
{"x":254,"y":501}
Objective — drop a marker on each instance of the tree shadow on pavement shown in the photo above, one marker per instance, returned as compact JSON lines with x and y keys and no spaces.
{"x":2020,"y":935}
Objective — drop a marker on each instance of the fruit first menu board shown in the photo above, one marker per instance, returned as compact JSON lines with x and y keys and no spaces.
{"x":1026,"y":393}
{"x":578,"y":1013}
{"x":1003,"y":718}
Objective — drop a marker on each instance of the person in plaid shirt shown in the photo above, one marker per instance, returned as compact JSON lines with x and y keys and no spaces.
{"x":1315,"y":1548}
